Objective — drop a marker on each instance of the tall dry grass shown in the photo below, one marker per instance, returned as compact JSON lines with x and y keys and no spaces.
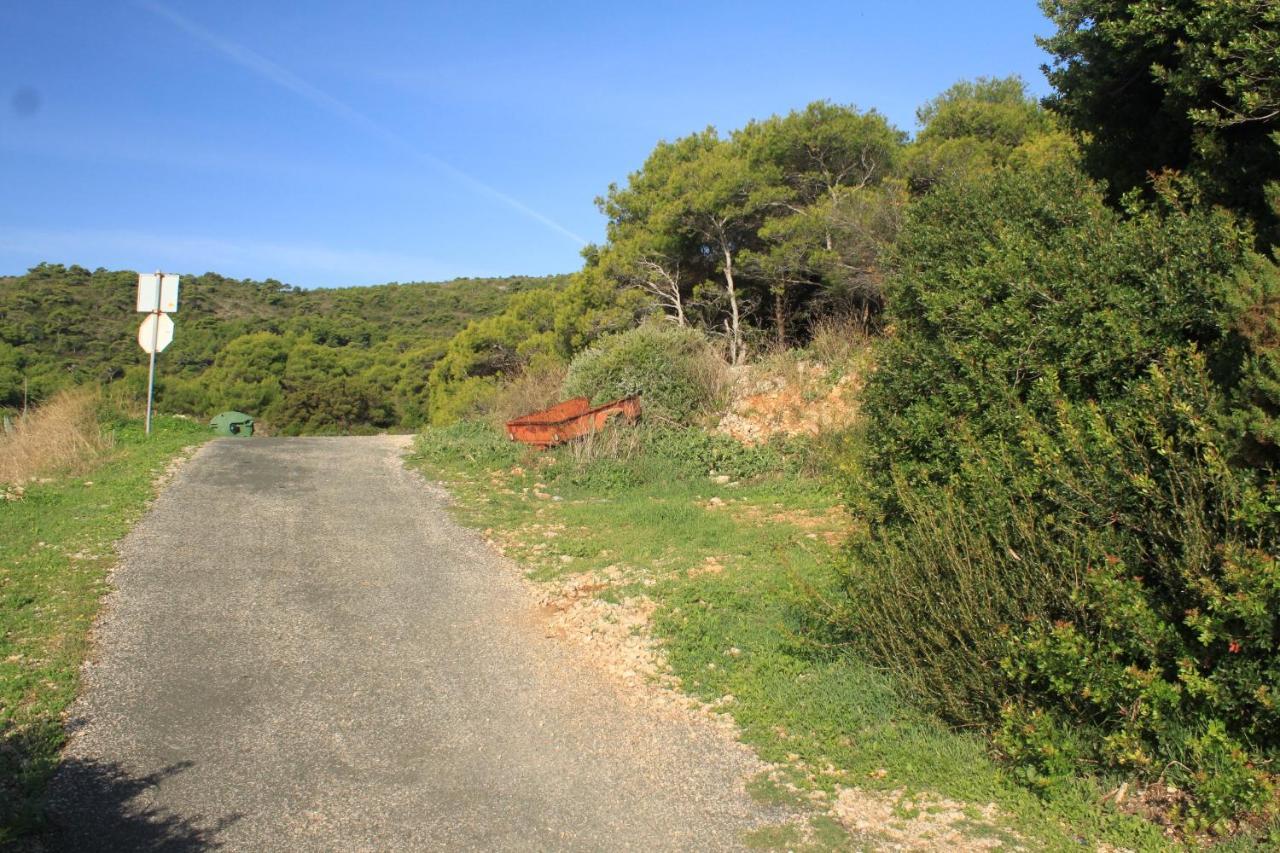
{"x":529,"y":391}
{"x":839,"y":340}
{"x":58,"y":436}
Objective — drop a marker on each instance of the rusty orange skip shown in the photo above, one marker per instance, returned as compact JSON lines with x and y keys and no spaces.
{"x":569,"y":420}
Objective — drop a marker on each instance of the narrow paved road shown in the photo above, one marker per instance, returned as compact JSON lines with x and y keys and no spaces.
{"x":305,"y":653}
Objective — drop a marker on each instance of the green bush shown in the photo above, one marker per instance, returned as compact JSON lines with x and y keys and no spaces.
{"x":475,"y":442}
{"x":1066,"y":545}
{"x":701,"y":453}
{"x":538,"y":331}
{"x":674,"y":370}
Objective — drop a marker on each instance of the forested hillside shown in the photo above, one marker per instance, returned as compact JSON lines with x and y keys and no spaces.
{"x":303,"y":360}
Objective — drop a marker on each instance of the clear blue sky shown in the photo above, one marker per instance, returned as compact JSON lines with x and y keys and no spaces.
{"x":325,"y":143}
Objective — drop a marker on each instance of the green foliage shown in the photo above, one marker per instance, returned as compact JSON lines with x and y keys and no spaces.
{"x":356,"y":358}
{"x":536,"y":330}
{"x":1254,"y":415}
{"x":819,"y":248}
{"x":1027,"y":279}
{"x":700,"y":452}
{"x":994,"y":110}
{"x":470,"y":442}
{"x":757,"y":230}
{"x":1064,"y":546}
{"x":1192,"y":86}
{"x":411,"y":392}
{"x":673,"y":369}
{"x":974,"y":128}
{"x":12,"y":364}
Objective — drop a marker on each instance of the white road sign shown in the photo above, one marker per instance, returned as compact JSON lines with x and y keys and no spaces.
{"x":158,"y":292}
{"x":156,"y":329}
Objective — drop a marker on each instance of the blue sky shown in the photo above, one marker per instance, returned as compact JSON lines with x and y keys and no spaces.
{"x":325,"y":143}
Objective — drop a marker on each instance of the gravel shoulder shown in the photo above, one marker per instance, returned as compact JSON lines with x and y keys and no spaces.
{"x":303,"y":652}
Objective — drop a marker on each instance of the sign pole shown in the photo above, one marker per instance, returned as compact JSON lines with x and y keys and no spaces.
{"x":151,"y":372}
{"x":157,"y":298}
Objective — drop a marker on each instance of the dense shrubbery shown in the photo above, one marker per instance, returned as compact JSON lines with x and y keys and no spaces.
{"x":537,"y":332}
{"x":673,"y":368}
{"x":1063,"y":545}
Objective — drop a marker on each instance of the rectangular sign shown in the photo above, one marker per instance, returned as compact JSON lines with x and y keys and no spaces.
{"x":148,"y":292}
{"x":158,"y":292}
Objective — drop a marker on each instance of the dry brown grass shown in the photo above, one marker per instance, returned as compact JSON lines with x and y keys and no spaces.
{"x":617,"y":440}
{"x":839,"y":340}
{"x":530,"y":391}
{"x":58,"y":436}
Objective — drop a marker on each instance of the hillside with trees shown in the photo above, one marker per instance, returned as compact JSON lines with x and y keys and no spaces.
{"x":302,"y":360}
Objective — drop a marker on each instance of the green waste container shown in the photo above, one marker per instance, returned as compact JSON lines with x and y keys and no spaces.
{"x":236,"y":424}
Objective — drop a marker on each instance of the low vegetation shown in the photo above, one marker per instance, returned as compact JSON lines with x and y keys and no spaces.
{"x":60,"y":436}
{"x":58,"y":525}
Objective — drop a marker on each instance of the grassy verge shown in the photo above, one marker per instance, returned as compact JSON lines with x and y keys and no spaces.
{"x":56,"y":548}
{"x":738,"y":566}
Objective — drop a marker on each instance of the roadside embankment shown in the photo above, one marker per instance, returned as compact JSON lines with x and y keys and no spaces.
{"x":76,"y":476}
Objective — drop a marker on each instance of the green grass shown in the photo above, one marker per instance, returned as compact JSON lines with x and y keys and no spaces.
{"x":739,"y":585}
{"x":56,"y":548}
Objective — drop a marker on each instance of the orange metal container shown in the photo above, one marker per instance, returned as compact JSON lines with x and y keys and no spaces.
{"x":569,"y":420}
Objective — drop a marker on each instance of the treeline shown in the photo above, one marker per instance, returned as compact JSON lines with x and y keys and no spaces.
{"x":1067,"y":463}
{"x":301,"y":360}
{"x":754,"y":235}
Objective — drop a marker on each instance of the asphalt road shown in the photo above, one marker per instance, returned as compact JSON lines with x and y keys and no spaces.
{"x":304,"y":653}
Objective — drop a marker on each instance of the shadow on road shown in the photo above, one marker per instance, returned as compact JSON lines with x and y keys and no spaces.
{"x":99,"y":806}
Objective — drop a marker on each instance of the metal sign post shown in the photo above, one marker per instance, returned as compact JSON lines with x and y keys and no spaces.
{"x":158,"y":297}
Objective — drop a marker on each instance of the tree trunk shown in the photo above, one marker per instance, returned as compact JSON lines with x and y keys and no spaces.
{"x":737,"y":352}
{"x":780,"y":316}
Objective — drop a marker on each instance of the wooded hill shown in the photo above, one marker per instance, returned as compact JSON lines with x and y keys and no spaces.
{"x":278,"y":351}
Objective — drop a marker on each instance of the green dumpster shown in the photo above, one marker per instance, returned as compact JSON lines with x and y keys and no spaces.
{"x":236,"y":424}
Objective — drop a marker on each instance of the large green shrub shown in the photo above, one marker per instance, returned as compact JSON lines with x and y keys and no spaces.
{"x":538,"y":331}
{"x":674,"y":369}
{"x":1066,"y":545}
